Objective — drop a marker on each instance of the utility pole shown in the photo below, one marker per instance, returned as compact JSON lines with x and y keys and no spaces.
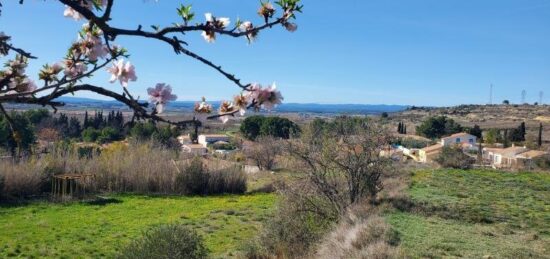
{"x":523,"y":95}
{"x":541,"y":95}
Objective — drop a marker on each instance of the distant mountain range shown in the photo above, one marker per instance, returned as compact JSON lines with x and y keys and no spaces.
{"x":283,"y":108}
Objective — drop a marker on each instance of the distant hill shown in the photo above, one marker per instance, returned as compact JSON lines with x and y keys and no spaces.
{"x":284,"y":108}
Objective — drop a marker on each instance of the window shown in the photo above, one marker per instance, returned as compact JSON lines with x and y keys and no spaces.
{"x":471,"y":141}
{"x":457,"y":140}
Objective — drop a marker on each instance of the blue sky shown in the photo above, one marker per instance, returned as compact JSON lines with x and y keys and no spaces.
{"x":421,"y":52}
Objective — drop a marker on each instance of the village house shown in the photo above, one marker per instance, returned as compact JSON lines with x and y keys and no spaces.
{"x":459,"y":138}
{"x":185,"y":139}
{"x":464,"y":140}
{"x":429,"y":153}
{"x":209,"y":139}
{"x":512,"y":157}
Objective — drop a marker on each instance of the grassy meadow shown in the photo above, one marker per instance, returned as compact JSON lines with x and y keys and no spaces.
{"x":100,"y":229}
{"x":476,"y":214}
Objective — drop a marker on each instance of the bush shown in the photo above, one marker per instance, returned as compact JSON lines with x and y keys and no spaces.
{"x":362,"y":234}
{"x":195,"y":179}
{"x":90,"y":134}
{"x":21,"y":180}
{"x":300,"y":221}
{"x":454,"y":157}
{"x":167,"y":241}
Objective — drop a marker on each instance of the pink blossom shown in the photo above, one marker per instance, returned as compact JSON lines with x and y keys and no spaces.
{"x":202,"y":110}
{"x":88,"y":4}
{"x":123,"y":72}
{"x":249,"y":28}
{"x":73,"y":69}
{"x":271,"y":97}
{"x":21,"y":85}
{"x":266,"y":10}
{"x":72,"y":13}
{"x":215,"y":23}
{"x":241,"y":102}
{"x":160,"y":95}
{"x":267,"y":98}
{"x":226,"y":111}
{"x":291,"y":27}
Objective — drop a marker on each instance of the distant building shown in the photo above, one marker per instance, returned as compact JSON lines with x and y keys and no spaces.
{"x":428,"y":154}
{"x":206,"y":140}
{"x":459,"y":138}
{"x":512,"y":157}
{"x":463,"y":140}
{"x":185,"y":139}
{"x":195,"y":149}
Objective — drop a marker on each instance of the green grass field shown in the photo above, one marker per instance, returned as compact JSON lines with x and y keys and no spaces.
{"x":480,"y":214}
{"x":83,"y":230}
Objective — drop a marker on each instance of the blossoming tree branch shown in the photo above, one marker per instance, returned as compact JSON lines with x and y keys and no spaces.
{"x":95,"y":51}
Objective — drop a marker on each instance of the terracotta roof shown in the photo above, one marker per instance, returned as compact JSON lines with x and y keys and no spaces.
{"x":433,"y":148}
{"x":194,"y":146}
{"x":532,"y":154}
{"x":461,"y":134}
{"x":510,"y":152}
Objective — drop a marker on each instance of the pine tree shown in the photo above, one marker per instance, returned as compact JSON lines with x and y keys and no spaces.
{"x":539,"y":142}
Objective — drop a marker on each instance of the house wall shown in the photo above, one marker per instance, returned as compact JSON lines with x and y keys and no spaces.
{"x":456,"y":140}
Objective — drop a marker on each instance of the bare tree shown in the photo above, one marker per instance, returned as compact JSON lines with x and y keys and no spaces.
{"x":264,"y":152}
{"x":343,"y":161}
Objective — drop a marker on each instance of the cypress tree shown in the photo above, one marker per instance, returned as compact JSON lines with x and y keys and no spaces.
{"x":522,"y":131}
{"x":540,"y":136}
{"x":506,"y":138}
{"x":399,"y":128}
{"x":404,"y":129}
{"x":86,"y":120}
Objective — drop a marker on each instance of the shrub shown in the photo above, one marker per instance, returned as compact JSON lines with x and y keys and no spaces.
{"x":361,"y":234}
{"x":193,"y":179}
{"x":21,"y":180}
{"x":90,"y":134}
{"x":454,"y":157}
{"x":167,"y":241}
{"x":296,"y":226}
{"x":196,"y":179}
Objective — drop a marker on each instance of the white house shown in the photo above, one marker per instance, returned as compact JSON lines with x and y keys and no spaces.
{"x":512,"y":157}
{"x":184,"y":139}
{"x":459,"y":139}
{"x":206,"y":140}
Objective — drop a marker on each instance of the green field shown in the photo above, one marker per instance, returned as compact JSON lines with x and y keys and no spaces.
{"x":79,"y":229}
{"x":476,"y":214}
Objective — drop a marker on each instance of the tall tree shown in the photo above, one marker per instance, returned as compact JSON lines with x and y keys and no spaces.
{"x":476,"y":131}
{"x":539,"y":140}
{"x":400,"y":127}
